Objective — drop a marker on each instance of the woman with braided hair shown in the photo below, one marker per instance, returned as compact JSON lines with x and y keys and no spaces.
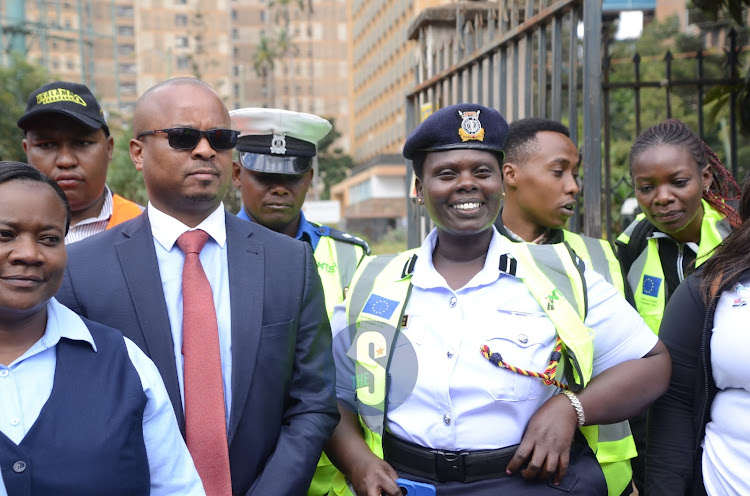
{"x":698,"y":439}
{"x":682,"y":189}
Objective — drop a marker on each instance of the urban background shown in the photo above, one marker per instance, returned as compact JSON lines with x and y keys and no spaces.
{"x":375,"y":68}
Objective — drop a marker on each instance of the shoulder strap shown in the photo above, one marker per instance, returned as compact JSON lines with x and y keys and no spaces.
{"x":342,"y":236}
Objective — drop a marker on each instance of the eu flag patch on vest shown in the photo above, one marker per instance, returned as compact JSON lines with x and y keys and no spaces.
{"x":651,"y":285}
{"x":379,"y":306}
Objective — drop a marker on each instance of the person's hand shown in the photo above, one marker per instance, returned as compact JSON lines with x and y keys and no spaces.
{"x":372,"y":476}
{"x":546,"y":443}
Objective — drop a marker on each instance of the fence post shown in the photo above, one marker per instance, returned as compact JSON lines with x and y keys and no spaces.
{"x":592,"y":118}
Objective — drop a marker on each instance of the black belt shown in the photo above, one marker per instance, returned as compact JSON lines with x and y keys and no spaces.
{"x":446,"y":466}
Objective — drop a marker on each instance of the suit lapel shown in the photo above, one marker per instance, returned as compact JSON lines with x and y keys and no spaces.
{"x":246,"y":276}
{"x":141,"y":269}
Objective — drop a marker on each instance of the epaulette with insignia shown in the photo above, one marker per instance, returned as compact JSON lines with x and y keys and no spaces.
{"x":343,"y":236}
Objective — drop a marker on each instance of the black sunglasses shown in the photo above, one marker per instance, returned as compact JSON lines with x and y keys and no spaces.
{"x":187,"y":138}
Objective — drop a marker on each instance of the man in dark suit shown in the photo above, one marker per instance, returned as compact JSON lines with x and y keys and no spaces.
{"x":276,"y":377}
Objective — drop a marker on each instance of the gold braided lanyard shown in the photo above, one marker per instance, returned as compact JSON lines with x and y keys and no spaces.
{"x":548,"y":376}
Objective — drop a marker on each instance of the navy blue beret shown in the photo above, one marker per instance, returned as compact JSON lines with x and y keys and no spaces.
{"x":465,"y":125}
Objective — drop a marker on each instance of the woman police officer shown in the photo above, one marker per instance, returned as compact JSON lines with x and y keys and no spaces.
{"x":440,"y":349}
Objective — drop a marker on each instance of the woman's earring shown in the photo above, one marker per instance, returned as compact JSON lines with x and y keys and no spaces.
{"x":420,"y":200}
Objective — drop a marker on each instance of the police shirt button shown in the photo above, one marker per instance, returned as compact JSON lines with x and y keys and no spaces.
{"x":452,"y":301}
{"x":447,"y":419}
{"x":450,"y":354}
{"x":523,"y":338}
{"x":4,"y":373}
{"x":19,"y":467}
{"x":14,"y":421}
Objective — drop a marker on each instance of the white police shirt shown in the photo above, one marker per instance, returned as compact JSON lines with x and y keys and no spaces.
{"x":727,"y":441}
{"x":461,"y":401}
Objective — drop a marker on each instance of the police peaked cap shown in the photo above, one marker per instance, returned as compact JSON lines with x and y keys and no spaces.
{"x":288,"y":138}
{"x":465,"y":125}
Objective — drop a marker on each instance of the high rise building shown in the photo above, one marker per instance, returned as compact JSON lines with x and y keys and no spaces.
{"x":120,"y":48}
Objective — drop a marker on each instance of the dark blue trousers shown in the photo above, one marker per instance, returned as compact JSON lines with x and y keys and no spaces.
{"x":583,"y":478}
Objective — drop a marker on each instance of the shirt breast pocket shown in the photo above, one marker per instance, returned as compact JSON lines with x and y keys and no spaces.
{"x":524,"y":341}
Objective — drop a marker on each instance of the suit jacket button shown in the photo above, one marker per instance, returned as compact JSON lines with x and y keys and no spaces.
{"x":19,"y":467}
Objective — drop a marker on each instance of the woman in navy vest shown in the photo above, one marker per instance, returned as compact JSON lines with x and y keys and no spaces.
{"x":82,"y":410}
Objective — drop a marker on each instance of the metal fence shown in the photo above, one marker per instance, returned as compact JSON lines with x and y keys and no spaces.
{"x":523,"y":58}
{"x":626,"y":75}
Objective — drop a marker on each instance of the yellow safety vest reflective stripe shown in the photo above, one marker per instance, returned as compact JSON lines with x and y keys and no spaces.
{"x":552,"y":277}
{"x":599,"y":255}
{"x":646,"y":274}
{"x":616,"y":445}
{"x":337,"y":262}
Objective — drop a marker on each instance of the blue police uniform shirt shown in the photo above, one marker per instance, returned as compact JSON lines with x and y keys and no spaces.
{"x":213,"y":257}
{"x":455,"y":398}
{"x":26,"y":385}
{"x":305,"y":232}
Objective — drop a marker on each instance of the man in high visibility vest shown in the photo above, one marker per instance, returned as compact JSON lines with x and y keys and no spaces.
{"x":540,"y":178}
{"x":67,"y":138}
{"x":274,"y":172}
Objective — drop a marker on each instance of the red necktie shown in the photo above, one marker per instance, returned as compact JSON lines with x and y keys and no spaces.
{"x":205,"y":418}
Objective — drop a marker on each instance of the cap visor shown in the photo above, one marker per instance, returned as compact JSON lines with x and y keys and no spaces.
{"x":275,"y":165}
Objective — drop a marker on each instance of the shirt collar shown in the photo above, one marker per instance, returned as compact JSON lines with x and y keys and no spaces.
{"x":106,"y":212}
{"x":425,"y":275}
{"x":166,"y":229}
{"x":306,"y":230}
{"x":61,"y":323}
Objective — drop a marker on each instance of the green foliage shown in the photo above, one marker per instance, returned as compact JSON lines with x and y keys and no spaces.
{"x":122,"y":177}
{"x":333,"y":164}
{"x":17,"y":80}
{"x":658,"y":42}
{"x":718,"y":9}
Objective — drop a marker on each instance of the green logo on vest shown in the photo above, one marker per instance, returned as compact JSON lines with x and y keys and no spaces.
{"x":327,"y":267}
{"x":556,"y":294}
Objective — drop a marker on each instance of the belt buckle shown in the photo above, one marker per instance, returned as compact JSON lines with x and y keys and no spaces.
{"x":450,"y":466}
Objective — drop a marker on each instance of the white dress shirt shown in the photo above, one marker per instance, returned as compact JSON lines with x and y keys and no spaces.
{"x":26,"y":384}
{"x":213,"y":257}
{"x":460,"y":400}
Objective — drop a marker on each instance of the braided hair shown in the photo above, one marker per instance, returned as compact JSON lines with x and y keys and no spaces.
{"x":674,"y":132}
{"x":731,"y":258}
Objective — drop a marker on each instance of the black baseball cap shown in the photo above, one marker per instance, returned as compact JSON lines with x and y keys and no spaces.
{"x":64,"y":98}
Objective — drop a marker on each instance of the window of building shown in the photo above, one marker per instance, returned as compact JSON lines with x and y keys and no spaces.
{"x":180,"y":20}
{"x":124,"y":11}
{"x":70,"y":66}
{"x":125,"y":49}
{"x":183,"y":63}
{"x":182,"y":42}
{"x":127,"y":88}
{"x":234,"y":14}
{"x":125,"y":30}
{"x":128,"y":68}
{"x":235,"y":33}
{"x":180,"y":2}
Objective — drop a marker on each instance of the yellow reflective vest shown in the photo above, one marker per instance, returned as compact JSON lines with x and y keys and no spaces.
{"x":616,"y":445}
{"x":553,"y":277}
{"x":337,"y":255}
{"x":646,"y":274}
